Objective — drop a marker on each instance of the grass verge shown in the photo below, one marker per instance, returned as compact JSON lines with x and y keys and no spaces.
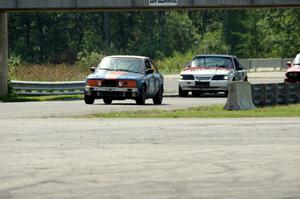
{"x":208,"y":112}
{"x":41,"y":98}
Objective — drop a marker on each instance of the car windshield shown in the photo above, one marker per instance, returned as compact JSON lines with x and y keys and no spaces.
{"x":219,"y":62}
{"x":122,"y":64}
{"x":297,"y":60}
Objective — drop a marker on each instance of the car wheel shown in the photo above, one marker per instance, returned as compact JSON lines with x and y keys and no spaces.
{"x":89,"y":99}
{"x":226,"y":93}
{"x":183,"y":93}
{"x":107,"y":100}
{"x":246,"y":79}
{"x":157,"y":99}
{"x":142,"y":98}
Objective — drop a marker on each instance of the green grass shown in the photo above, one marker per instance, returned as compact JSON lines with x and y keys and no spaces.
{"x":41,"y":98}
{"x":216,"y":111}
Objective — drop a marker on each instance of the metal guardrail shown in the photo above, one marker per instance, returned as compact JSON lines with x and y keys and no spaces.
{"x":47,"y":88}
{"x":275,"y":64}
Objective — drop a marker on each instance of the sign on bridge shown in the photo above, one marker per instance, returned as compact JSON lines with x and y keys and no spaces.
{"x":163,"y":2}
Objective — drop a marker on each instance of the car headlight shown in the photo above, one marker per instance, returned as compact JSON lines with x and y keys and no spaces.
{"x":120,"y":84}
{"x":94,"y":82}
{"x":220,"y":77}
{"x":127,"y":83}
{"x":187,"y":77}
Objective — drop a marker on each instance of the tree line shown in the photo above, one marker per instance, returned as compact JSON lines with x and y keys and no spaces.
{"x":63,"y":37}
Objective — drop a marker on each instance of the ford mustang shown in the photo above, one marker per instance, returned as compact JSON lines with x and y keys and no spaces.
{"x":293,"y":72}
{"x":124,"y":77}
{"x":210,"y":73}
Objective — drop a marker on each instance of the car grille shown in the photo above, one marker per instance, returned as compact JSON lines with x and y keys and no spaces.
{"x":202,"y":78}
{"x":109,"y":83}
{"x":202,"y":84}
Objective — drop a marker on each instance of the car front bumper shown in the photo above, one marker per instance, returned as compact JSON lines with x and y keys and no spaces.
{"x":213,"y":85}
{"x":112,"y":92}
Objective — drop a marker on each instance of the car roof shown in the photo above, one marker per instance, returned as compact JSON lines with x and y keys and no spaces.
{"x":215,"y":55}
{"x":128,"y":56}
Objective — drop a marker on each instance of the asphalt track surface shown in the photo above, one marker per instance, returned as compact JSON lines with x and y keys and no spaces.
{"x":77,"y":108}
{"x":149,"y":158}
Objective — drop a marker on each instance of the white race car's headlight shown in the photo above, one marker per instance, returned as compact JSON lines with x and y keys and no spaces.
{"x":120,"y":84}
{"x":220,"y":77}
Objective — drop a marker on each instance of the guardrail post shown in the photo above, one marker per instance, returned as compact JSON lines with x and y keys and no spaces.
{"x":3,"y":55}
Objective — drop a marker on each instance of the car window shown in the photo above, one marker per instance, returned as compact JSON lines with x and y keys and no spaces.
{"x":297,"y":60}
{"x":153,"y":67}
{"x":122,"y":64}
{"x":221,"y":62}
{"x":148,"y":65}
{"x":237,"y":64}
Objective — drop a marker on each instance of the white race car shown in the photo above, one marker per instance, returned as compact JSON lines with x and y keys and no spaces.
{"x":210,"y":73}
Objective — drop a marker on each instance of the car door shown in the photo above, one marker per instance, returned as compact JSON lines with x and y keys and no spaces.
{"x":240,"y":72}
{"x":158,"y":79}
{"x":150,"y":81}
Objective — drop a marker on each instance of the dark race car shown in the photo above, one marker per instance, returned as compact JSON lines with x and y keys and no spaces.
{"x":293,"y":72}
{"x":124,"y":77}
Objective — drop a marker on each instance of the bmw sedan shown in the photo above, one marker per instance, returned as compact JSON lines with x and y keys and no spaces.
{"x":124,"y":77}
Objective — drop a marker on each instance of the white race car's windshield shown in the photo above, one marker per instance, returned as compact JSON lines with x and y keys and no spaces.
{"x":297,"y":60}
{"x":219,"y":62}
{"x":122,"y":64}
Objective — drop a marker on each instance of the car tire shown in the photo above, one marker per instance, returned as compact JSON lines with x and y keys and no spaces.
{"x":89,"y":99}
{"x":142,"y":98}
{"x":158,"y":98}
{"x":226,"y":93}
{"x":246,"y":79}
{"x":107,"y":100}
{"x":183,"y":93}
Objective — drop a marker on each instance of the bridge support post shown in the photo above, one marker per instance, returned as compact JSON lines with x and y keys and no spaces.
{"x":3,"y":55}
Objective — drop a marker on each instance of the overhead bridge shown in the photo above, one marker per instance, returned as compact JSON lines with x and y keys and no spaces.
{"x":31,"y":5}
{"x":104,"y":5}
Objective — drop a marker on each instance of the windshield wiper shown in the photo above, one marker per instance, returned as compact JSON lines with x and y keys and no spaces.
{"x":107,"y":69}
{"x":127,"y":70}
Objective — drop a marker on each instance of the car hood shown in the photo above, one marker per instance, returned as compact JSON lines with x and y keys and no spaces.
{"x":205,"y":71}
{"x":293,"y":69}
{"x":104,"y":74}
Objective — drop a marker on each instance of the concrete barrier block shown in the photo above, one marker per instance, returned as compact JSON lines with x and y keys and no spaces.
{"x":239,"y":96}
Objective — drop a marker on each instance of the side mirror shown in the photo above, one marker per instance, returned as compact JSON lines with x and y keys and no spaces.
{"x":149,"y":71}
{"x":240,"y":67}
{"x":92,"y":69}
{"x":289,"y":64}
